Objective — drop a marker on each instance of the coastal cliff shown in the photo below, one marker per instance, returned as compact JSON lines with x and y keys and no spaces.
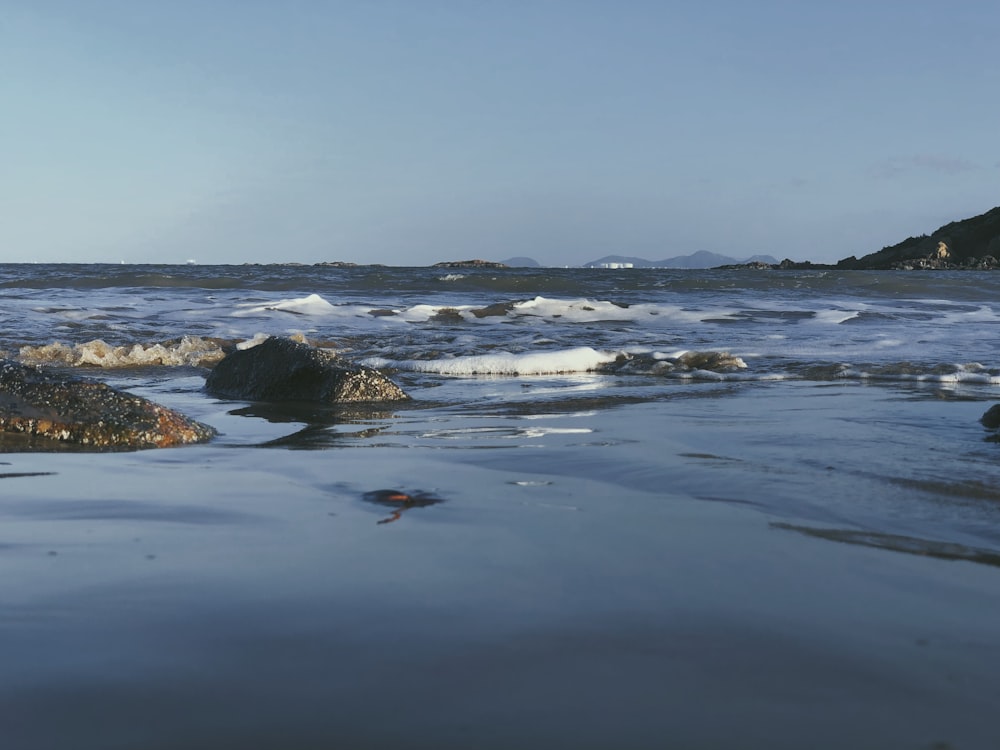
{"x":970,"y":244}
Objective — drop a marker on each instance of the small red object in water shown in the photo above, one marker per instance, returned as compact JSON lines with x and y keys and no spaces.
{"x":400,"y":501}
{"x":388,"y":496}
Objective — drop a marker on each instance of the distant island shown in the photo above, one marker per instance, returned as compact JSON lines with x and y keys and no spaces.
{"x":521,"y":262}
{"x":470,"y":264}
{"x":700,"y":259}
{"x":969,"y":245}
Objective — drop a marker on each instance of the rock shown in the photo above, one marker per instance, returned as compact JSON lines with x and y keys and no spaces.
{"x":40,"y":409}
{"x":991,"y":419}
{"x":469,"y":264}
{"x":280,"y":369}
{"x":497,"y":309}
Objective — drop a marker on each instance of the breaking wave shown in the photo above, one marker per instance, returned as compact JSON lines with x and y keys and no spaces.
{"x":580,"y":359}
{"x":191,"y":351}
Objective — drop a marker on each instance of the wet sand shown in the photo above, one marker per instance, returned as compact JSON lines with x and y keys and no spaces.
{"x":571,"y":589}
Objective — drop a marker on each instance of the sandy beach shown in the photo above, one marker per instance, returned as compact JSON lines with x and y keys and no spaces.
{"x":639,"y":594}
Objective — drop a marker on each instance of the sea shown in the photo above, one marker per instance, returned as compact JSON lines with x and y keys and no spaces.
{"x":641,"y":508}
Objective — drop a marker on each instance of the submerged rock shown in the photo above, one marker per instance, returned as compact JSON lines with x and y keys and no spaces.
{"x":280,"y":369}
{"x":991,"y":419}
{"x":44,"y":410}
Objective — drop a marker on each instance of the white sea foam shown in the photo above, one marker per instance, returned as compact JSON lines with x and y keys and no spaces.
{"x":258,"y":338}
{"x":584,"y":310}
{"x":835,"y":317}
{"x":948,"y":374}
{"x":189,"y":350}
{"x":312,"y":304}
{"x":984,"y":314}
{"x":580,"y":359}
{"x":423,"y":313}
{"x":537,"y":432}
{"x":573,"y":310}
{"x":581,"y":310}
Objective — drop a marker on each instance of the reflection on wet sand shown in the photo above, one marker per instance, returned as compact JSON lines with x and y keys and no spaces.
{"x":321,"y":424}
{"x":312,"y":414}
{"x":319,"y":436}
{"x":898,"y":543}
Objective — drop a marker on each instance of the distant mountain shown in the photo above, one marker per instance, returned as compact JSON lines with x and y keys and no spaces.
{"x":700,"y":259}
{"x":521,"y":261}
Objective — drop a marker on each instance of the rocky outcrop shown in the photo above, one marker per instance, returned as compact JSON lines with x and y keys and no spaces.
{"x":968,"y":244}
{"x":280,"y":369}
{"x":42,"y":410}
{"x":470,"y":264}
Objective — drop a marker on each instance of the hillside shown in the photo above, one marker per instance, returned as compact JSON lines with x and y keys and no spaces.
{"x":969,"y":243}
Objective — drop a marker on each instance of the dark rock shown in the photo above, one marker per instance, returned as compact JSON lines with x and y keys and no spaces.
{"x":447,"y":315}
{"x":469,"y":264}
{"x":991,"y":419}
{"x":497,"y":309}
{"x":41,"y":410}
{"x":280,"y":369}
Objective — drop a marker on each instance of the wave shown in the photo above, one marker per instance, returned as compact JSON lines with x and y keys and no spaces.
{"x":191,"y":351}
{"x":590,"y":310}
{"x":579,"y":359}
{"x":312,"y":304}
{"x":973,"y":373}
{"x":575,"y":310}
{"x":711,"y":365}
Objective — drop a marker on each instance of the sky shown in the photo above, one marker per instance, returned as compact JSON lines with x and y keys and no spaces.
{"x":408,"y":132}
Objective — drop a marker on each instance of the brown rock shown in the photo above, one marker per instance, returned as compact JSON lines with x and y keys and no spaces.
{"x":42,"y":410}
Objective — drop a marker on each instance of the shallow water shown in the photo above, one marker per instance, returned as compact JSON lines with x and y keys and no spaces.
{"x":783,"y":555}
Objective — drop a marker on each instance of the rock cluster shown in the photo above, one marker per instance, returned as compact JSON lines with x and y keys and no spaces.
{"x":39,"y":410}
{"x":280,"y":369}
{"x":470,"y":264}
{"x":44,"y":410}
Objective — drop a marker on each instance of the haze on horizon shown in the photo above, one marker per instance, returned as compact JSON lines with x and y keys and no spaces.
{"x":406,"y":133}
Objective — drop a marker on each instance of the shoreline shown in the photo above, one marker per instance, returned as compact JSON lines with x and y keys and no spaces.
{"x":370,"y":637}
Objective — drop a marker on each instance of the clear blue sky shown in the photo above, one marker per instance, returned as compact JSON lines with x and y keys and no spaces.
{"x":412,"y":131}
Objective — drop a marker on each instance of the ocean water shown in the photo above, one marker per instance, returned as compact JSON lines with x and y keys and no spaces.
{"x":659,"y":508}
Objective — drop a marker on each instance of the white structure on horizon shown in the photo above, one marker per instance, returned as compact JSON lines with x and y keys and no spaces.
{"x":615,"y":265}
